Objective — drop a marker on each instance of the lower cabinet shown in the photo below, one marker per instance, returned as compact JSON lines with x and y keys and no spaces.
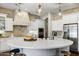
{"x":3,"y":45}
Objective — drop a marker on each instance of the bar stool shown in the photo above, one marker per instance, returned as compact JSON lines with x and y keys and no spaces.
{"x":14,"y":52}
{"x":66,"y":53}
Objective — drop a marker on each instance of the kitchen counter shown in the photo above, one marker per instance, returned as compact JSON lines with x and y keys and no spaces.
{"x":4,"y":36}
{"x":39,"y":47}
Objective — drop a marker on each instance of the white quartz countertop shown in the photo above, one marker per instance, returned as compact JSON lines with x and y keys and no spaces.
{"x":19,"y":42}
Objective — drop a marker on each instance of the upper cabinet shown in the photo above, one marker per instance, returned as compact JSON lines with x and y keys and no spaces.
{"x":8,"y":24}
{"x":70,"y":18}
{"x":2,"y":23}
{"x":34,"y":25}
{"x":57,"y":25}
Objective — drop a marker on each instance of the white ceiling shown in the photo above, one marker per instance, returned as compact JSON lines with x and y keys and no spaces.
{"x":32,"y":7}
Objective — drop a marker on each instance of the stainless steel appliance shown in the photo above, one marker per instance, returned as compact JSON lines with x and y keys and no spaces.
{"x":40,"y":32}
{"x":71,"y":33}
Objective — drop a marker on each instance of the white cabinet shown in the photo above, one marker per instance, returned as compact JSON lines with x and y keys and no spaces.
{"x":8,"y":24}
{"x":38,"y":23}
{"x":3,"y":45}
{"x":57,"y":25}
{"x":70,"y":18}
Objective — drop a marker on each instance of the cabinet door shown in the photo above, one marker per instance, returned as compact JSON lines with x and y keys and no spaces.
{"x":70,"y":18}
{"x":2,"y":23}
{"x":8,"y":24}
{"x":57,"y":25}
{"x":3,"y":45}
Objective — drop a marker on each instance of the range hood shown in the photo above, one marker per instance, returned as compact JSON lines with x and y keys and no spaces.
{"x":21,"y":18}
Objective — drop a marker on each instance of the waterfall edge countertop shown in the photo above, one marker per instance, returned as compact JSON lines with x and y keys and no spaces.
{"x":19,"y":42}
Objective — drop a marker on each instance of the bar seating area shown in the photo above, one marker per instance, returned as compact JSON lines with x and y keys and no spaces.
{"x":14,"y":52}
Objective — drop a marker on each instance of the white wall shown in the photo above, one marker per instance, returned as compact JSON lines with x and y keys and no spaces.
{"x":57,"y":25}
{"x":38,"y":23}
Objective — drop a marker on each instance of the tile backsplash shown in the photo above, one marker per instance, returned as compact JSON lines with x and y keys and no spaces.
{"x":57,"y":33}
{"x":19,"y":30}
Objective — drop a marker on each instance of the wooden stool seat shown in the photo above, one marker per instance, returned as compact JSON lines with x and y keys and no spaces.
{"x":8,"y":54}
{"x":66,"y":53}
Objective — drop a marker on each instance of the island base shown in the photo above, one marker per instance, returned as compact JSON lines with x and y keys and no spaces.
{"x":39,"y":52}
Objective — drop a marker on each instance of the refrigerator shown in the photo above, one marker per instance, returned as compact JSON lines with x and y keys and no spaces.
{"x":71,"y":33}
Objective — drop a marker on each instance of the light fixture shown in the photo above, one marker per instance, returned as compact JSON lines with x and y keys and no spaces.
{"x":39,"y":9}
{"x":60,"y":11}
{"x":18,"y":12}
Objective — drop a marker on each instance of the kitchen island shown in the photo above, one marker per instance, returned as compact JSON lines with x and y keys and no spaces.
{"x":39,"y":47}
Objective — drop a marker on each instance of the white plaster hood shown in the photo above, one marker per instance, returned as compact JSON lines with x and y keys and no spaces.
{"x":21,"y":18}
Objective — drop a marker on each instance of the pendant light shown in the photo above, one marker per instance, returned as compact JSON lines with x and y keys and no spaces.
{"x":60,"y":11}
{"x":39,"y":9}
{"x":18,"y":11}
